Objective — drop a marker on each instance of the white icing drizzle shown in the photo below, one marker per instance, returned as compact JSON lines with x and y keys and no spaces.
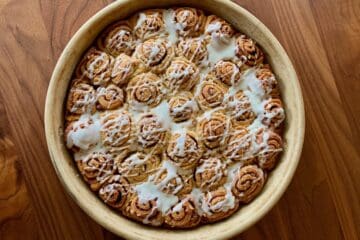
{"x":85,"y":132}
{"x":170,"y":25}
{"x":219,"y":50}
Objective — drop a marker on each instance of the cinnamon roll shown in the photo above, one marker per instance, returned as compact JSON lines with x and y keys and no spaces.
{"x":114,"y":191}
{"x":181,"y":74}
{"x":184,"y":149}
{"x":96,"y":66}
{"x":138,"y":166}
{"x":219,"y":29}
{"x":96,"y":169}
{"x":210,"y":174}
{"x":239,"y":107}
{"x":151,"y":133}
{"x":182,"y":107}
{"x":156,"y":54}
{"x":227,"y":72}
{"x":273,"y":114}
{"x":190,"y":22}
{"x":268,"y":82}
{"x":210,"y":94}
{"x":248,"y":51}
{"x":272,"y":147}
{"x":117,"y":39}
{"x":248,"y":183}
{"x":239,"y":146}
{"x":116,"y":128}
{"x":148,"y":24}
{"x":125,"y":68}
{"x":183,"y":214}
{"x":170,"y":181}
{"x":213,"y":128}
{"x":109,"y":97}
{"x":142,"y":210}
{"x":81,"y":98}
{"x":193,"y":49}
{"x":145,"y":89}
{"x":218,"y":204}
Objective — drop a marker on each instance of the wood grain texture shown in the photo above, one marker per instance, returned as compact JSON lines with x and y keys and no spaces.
{"x":322,"y":39}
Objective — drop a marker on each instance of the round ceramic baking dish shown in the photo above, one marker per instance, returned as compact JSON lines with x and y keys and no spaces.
{"x":247,"y":215}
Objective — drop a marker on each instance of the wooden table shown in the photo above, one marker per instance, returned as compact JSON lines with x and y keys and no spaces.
{"x":322,"y":38}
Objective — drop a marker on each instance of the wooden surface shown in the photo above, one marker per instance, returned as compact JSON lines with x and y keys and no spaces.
{"x":322,"y":38}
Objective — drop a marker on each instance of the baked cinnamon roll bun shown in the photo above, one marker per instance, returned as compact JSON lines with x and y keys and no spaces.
{"x":272,"y":147}
{"x":193,"y":49}
{"x":145,"y":89}
{"x":125,"y":68}
{"x":182,"y":107}
{"x":248,"y":183}
{"x":169,"y":181}
{"x":184,"y":149}
{"x":95,"y":66}
{"x":143,"y":210}
{"x":148,"y":24}
{"x":151,"y":133}
{"x":138,"y":166}
{"x":96,"y":169}
{"x":213,"y":128}
{"x":219,"y":29}
{"x":239,"y":107}
{"x":273,"y":114}
{"x":239,"y":146}
{"x":190,"y":22}
{"x":116,"y":128}
{"x":117,"y":38}
{"x":181,"y":74}
{"x":156,"y":54}
{"x":268,"y":82}
{"x":210,"y":174}
{"x":218,"y":204}
{"x":227,"y":72}
{"x":109,"y":97}
{"x":248,"y":51}
{"x":81,"y":98}
{"x":114,"y":191}
{"x":210,"y":94}
{"x":183,"y":214}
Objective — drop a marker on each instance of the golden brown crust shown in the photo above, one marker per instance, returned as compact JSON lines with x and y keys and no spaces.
{"x":248,"y":183}
{"x":269,"y":154}
{"x":125,"y":68}
{"x":138,"y":166}
{"x":95,"y":66}
{"x":248,"y":51}
{"x":156,"y":54}
{"x":219,"y":28}
{"x":184,"y":149}
{"x":182,"y":107}
{"x":227,"y":72}
{"x":181,"y":74}
{"x":148,"y":24}
{"x":117,"y":38}
{"x":211,"y":173}
{"x":81,"y":98}
{"x":273,"y":115}
{"x":210,"y":93}
{"x":96,"y":169}
{"x":183,"y":214}
{"x":114,"y":191}
{"x":189,"y":21}
{"x":213,"y":128}
{"x":116,"y":128}
{"x":240,"y":109}
{"x":110,"y":97}
{"x":145,"y":89}
{"x":193,"y":49}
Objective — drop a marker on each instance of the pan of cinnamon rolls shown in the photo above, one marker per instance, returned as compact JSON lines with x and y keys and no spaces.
{"x":174,"y":118}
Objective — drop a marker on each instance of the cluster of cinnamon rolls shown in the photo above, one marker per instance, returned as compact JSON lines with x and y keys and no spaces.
{"x":174,"y":118}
